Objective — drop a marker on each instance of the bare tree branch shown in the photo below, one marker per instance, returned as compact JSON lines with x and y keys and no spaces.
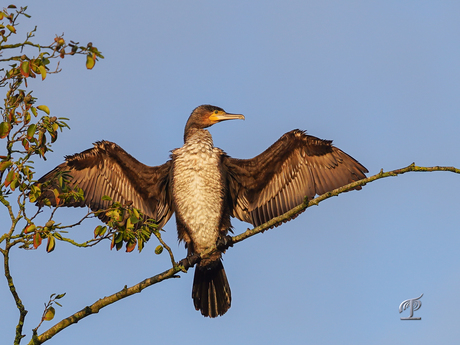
{"x":299,"y":209}
{"x":186,"y":263}
{"x":103,"y":302}
{"x":12,"y":287}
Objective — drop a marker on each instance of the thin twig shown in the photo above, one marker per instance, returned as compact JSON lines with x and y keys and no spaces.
{"x":171,"y":255}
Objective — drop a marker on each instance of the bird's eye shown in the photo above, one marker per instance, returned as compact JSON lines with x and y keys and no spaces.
{"x":216,"y":111}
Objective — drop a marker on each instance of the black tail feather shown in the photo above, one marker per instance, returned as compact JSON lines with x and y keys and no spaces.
{"x":211,"y":293}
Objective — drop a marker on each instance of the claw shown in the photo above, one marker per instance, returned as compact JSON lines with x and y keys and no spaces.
{"x":224,"y":242}
{"x":189,"y":261}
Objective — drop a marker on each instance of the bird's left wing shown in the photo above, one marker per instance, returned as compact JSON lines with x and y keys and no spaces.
{"x":277,"y":180}
{"x":106,"y":169}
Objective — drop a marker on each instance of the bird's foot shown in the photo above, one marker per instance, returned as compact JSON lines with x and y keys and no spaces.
{"x":189,"y":261}
{"x":224,"y":242}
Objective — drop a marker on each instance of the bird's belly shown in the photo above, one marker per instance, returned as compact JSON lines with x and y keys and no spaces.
{"x":198,"y":197}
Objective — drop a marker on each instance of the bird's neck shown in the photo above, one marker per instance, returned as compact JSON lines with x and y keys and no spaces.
{"x":197,"y":134}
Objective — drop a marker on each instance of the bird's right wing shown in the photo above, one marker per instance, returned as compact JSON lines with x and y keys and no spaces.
{"x":294,"y":167}
{"x":106,"y":169}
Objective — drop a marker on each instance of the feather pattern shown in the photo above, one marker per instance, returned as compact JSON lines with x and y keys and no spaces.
{"x":106,"y":169}
{"x":296,"y":166}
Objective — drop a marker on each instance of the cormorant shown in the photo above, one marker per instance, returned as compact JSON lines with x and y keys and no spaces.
{"x":205,"y":187}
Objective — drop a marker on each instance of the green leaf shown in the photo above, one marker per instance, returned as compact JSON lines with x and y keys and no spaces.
{"x":129,"y":224}
{"x":5,"y":128}
{"x":107,"y":198}
{"x":119,"y":238}
{"x":5,"y":165}
{"x":42,"y":70}
{"x":31,"y":131}
{"x":34,"y":111}
{"x":14,"y":183}
{"x":97,"y":231}
{"x":103,"y":230}
{"x":49,"y":315}
{"x":140,"y":244}
{"x":134,"y":219}
{"x":118,"y":245}
{"x":51,"y":244}
{"x":27,"y":172}
{"x":159,"y":249}
{"x":35,"y":192}
{"x":11,"y":28}
{"x":26,"y":117}
{"x":44,"y":108}
{"x":60,"y":295}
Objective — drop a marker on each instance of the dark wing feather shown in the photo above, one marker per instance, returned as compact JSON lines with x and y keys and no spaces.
{"x":277,"y":180}
{"x":106,"y":169}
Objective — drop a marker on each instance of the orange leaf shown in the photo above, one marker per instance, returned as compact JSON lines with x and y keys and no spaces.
{"x":37,"y":240}
{"x":25,"y":143}
{"x":30,"y":228}
{"x":56,"y":196}
{"x":130,"y":246}
{"x":9,"y":178}
{"x":53,"y":136}
{"x":41,"y":138}
{"x":25,"y":68}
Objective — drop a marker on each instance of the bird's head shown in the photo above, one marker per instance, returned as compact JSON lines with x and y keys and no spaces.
{"x":208,"y":115}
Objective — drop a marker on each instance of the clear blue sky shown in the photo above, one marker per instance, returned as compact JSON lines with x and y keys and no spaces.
{"x":380,"y":78}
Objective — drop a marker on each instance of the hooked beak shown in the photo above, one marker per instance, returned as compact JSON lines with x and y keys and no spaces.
{"x":225,"y":116}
